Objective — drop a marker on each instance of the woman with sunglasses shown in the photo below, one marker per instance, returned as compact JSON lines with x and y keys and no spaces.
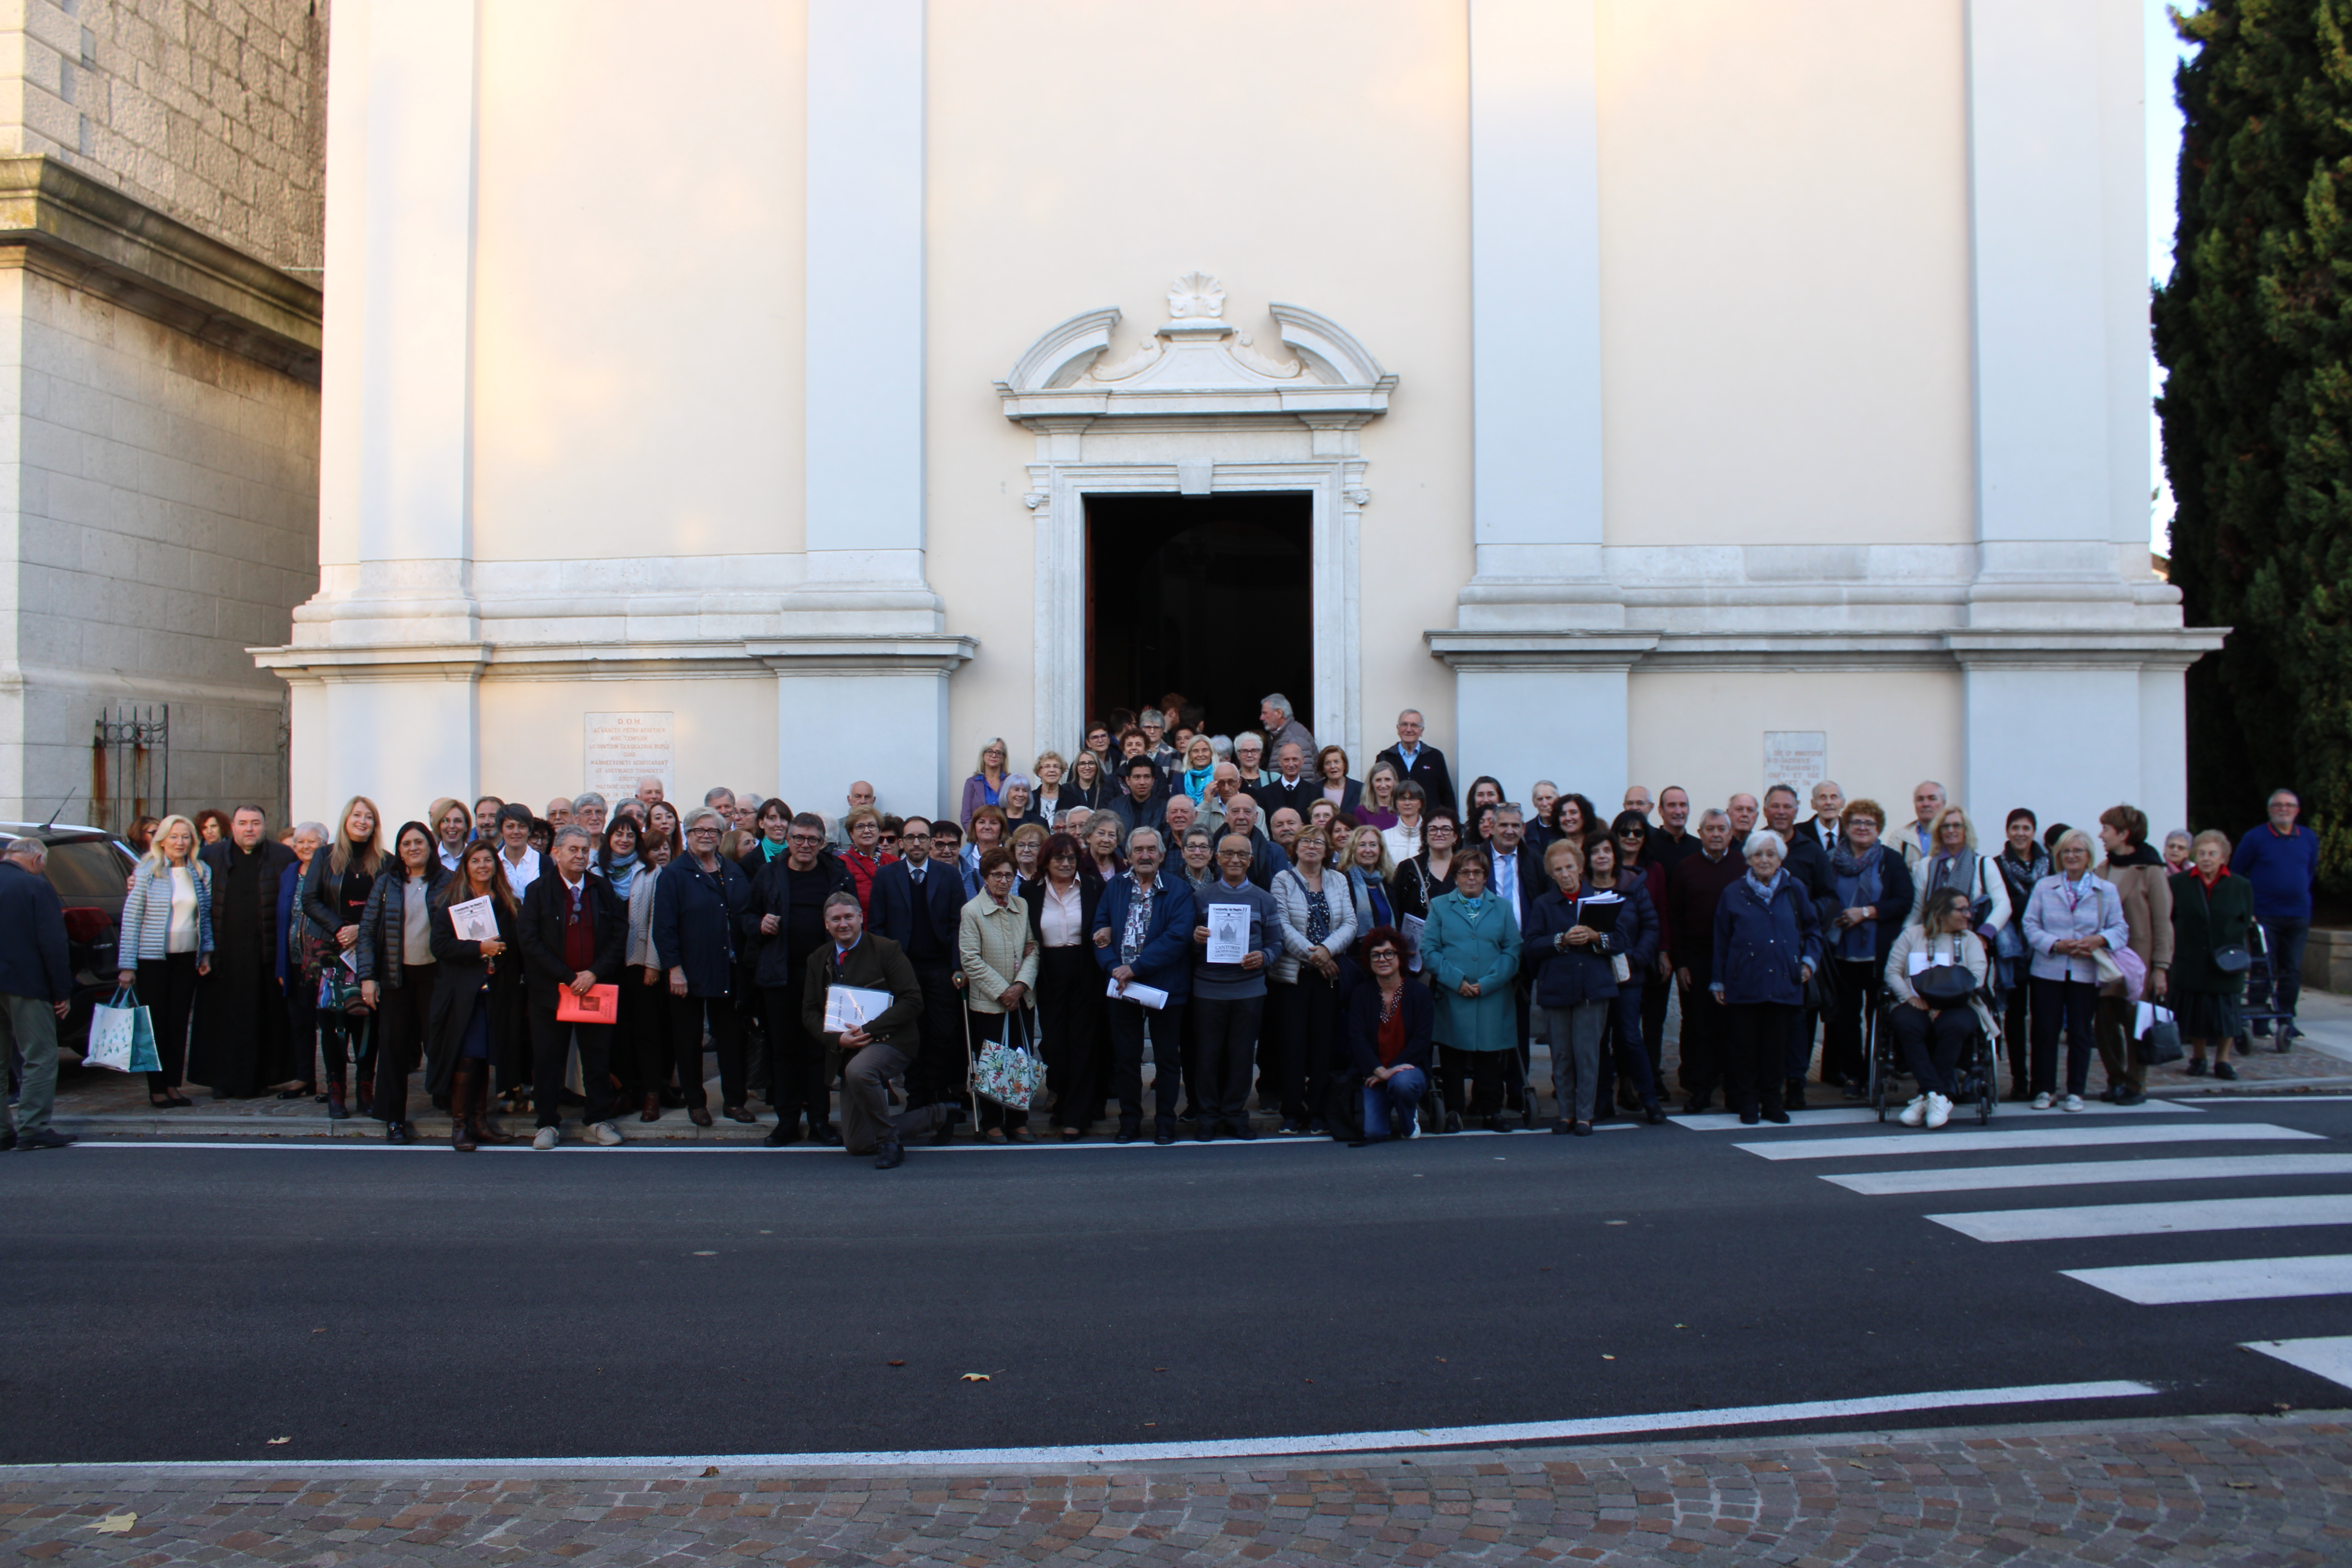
{"x":1630,"y":836}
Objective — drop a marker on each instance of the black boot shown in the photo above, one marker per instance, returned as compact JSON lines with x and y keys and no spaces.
{"x":461,"y":1108}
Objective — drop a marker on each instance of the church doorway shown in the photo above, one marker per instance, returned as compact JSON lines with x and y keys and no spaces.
{"x":1209,"y":595}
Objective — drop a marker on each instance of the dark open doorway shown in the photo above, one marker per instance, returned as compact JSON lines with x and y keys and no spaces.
{"x":1209,"y":595}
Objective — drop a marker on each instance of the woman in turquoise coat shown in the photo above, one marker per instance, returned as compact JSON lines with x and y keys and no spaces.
{"x":1471,"y":949}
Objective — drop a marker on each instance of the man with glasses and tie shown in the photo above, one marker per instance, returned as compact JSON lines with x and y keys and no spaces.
{"x":918,"y":903}
{"x":574,"y":932}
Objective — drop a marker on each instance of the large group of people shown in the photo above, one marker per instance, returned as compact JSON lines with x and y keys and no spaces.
{"x":1367,"y":952}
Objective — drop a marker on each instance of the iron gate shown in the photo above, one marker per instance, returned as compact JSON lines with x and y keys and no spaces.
{"x":130,"y":765}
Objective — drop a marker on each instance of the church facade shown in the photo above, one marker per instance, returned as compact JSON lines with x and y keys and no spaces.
{"x":1647,"y":390}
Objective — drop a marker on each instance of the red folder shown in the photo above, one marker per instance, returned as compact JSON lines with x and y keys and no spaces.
{"x":600,"y":1005}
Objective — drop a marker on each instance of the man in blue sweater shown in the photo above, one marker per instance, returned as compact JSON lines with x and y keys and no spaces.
{"x":35,"y":990}
{"x":2281,"y":862}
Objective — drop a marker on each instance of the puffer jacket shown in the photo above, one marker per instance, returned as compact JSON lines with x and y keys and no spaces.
{"x":1289,"y":892}
{"x":1763,"y":945}
{"x":378,"y":950}
{"x":147,"y":912}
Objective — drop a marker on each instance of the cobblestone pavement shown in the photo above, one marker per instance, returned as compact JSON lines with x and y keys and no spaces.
{"x":2233,"y":1490}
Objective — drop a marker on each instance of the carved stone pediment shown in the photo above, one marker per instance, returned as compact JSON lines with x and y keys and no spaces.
{"x":1197,"y":366}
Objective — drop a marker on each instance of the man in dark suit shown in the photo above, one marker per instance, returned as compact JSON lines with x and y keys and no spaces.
{"x":1821,"y":827}
{"x":1289,"y":784}
{"x":574,"y":932}
{"x":917,"y":904}
{"x":787,"y":920}
{"x":1694,"y":887}
{"x":1516,"y":876}
{"x":1423,"y":766}
{"x":874,"y":1052}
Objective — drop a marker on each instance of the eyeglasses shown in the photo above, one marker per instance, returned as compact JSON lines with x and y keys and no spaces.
{"x":1384,"y":956}
{"x":1634,"y":833}
{"x":705,"y":831}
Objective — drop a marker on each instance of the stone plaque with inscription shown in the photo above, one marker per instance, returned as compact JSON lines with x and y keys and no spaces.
{"x":622,"y":748}
{"x":1798,"y":758}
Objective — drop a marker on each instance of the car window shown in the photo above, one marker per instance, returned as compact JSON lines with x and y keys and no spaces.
{"x":89,"y":870}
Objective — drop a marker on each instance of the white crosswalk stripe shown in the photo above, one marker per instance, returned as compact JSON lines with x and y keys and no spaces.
{"x":2327,"y":1358}
{"x":1857,"y":1115}
{"x":1972,"y":1142}
{"x":2142,"y":1155}
{"x":2235,"y":1279}
{"x":2150,"y":1219}
{"x":2089,"y":1172}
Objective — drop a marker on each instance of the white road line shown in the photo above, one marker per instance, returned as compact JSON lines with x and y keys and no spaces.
{"x":1846,"y":1115}
{"x":1325,"y":1442}
{"x":2237,"y":1279}
{"x":2090,"y":1172}
{"x":2329,"y":1358}
{"x":2265,"y":1100}
{"x":2150,"y":1219}
{"x":1975,"y":1142}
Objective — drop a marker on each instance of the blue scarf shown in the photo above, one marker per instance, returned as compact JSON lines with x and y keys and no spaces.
{"x":1196,"y":780}
{"x":1764,"y":890}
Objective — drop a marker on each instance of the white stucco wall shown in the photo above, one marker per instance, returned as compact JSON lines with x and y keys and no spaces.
{"x":1784,"y":260}
{"x":637,"y":311}
{"x":1339,"y":188}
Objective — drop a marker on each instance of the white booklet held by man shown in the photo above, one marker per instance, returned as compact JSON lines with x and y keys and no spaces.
{"x":1228,"y":933}
{"x":850,"y":1008}
{"x":474,"y":920}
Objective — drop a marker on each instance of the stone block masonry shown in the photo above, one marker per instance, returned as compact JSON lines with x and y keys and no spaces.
{"x":213,"y":112}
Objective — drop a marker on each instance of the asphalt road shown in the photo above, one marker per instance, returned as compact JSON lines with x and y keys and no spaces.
{"x":195,"y":1303}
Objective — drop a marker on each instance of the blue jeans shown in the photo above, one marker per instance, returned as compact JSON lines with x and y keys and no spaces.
{"x":1400,"y":1094}
{"x":2286,"y":939}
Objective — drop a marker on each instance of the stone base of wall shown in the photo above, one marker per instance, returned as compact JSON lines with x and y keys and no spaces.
{"x":2328,"y":960}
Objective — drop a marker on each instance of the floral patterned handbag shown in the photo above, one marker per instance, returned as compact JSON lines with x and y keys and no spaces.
{"x":1012,"y":1073}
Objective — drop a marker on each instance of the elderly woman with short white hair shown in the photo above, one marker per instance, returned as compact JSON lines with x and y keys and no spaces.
{"x":1768,"y":944}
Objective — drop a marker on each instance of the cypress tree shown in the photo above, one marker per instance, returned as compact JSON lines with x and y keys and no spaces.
{"x":2255,"y":331}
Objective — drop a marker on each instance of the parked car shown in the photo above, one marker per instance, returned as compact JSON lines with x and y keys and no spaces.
{"x":91,"y":869}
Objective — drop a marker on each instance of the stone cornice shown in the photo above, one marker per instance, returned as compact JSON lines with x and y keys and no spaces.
{"x":714,"y":657}
{"x":1511,"y":649}
{"x":87,"y":235}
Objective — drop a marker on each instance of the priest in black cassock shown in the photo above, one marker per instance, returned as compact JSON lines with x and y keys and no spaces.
{"x":241,"y":1012}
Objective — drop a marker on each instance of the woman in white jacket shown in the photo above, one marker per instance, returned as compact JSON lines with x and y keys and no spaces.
{"x":1317,"y":909}
{"x":1933,"y":1031}
{"x":167,"y":944}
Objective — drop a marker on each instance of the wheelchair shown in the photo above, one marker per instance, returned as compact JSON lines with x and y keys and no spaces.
{"x":2260,"y":1004}
{"x":1975,"y":1076}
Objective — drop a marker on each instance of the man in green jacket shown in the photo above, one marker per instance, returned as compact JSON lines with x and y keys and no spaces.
{"x":877,"y":1049}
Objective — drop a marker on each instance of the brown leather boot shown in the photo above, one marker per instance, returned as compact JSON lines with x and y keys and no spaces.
{"x":651,"y":1112}
{"x":461,"y":1103}
{"x":486,"y":1126}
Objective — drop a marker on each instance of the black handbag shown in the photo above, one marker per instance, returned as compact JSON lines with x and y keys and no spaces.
{"x":1945,"y":985}
{"x":2161,"y":1043}
{"x":2232,"y":960}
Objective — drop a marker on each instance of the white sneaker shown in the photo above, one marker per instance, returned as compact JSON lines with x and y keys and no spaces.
{"x":1413,"y":1125}
{"x":605,"y":1133}
{"x":1914,"y":1112}
{"x":547,"y":1138}
{"x":2073,"y":1102}
{"x":1939,"y":1111}
{"x":2041,"y":1102}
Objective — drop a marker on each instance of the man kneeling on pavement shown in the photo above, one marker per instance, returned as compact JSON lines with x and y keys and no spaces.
{"x":878,"y":1050}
